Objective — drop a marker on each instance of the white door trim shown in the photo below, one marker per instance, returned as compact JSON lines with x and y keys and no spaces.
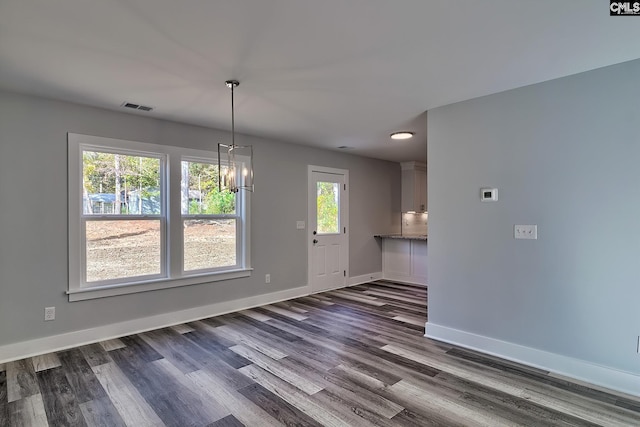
{"x":344,"y":213}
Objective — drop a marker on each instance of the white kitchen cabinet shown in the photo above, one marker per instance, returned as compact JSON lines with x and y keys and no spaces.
{"x":404,"y":260}
{"x":414,"y":187}
{"x":396,"y":258}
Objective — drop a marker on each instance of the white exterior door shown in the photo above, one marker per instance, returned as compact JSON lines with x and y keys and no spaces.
{"x":328,"y":228}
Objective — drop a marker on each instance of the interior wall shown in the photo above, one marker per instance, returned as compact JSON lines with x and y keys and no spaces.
{"x":564,"y":155}
{"x":33,"y":216}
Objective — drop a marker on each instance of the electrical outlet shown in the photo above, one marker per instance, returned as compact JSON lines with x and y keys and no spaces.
{"x":49,"y":314}
{"x":525,"y":232}
{"x":267,"y":278}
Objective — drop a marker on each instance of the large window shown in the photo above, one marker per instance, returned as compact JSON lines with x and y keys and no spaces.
{"x":123,"y":198}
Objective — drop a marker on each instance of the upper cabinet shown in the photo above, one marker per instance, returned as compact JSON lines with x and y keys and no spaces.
{"x":414,"y":187}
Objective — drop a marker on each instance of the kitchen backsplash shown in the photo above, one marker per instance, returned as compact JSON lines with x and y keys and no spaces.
{"x":414,"y":223}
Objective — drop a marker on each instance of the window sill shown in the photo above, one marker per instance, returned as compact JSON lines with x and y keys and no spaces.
{"x":94,"y":292}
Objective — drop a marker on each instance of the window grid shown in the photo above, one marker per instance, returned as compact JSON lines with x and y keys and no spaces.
{"x":96,"y":230}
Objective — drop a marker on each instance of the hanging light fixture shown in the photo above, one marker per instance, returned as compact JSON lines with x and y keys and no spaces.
{"x":235,"y":162}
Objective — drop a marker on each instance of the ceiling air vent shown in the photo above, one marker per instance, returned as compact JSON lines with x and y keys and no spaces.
{"x":136,"y":106}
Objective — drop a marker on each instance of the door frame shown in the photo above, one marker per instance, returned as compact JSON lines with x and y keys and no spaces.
{"x":344,"y":220}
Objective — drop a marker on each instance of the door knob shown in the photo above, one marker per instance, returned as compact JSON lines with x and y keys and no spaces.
{"x":315,"y":241}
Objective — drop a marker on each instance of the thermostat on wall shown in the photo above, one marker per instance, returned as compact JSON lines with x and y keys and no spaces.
{"x":488,"y":194}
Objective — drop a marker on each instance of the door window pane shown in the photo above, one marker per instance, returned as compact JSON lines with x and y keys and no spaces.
{"x":209,"y":243}
{"x":122,"y":248}
{"x":328,"y":205}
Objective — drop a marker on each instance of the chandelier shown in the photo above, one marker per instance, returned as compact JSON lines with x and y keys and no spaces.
{"x":235,"y":162}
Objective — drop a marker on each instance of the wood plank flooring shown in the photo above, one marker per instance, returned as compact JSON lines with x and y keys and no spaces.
{"x":350,"y":357}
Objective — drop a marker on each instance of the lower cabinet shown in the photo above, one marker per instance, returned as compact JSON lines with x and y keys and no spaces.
{"x":405,"y":260}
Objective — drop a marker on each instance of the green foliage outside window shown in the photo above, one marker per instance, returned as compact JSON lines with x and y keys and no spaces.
{"x":328,"y":208}
{"x":127,"y":178}
{"x":204,"y":197}
{"x":134,"y":181}
{"x":107,"y":172}
{"x":213,"y":203}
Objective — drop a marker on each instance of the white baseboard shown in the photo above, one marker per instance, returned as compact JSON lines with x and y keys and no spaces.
{"x":365,"y":278}
{"x":570,"y":367}
{"x":405,"y":279}
{"x":68,"y":340}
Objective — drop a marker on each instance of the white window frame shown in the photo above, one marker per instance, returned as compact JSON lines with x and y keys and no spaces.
{"x":237,"y":216}
{"x":172,"y":273}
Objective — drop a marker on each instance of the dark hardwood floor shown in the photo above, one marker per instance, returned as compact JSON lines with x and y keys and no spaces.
{"x":351,"y":357}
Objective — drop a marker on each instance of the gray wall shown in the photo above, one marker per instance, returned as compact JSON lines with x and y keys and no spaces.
{"x":33,"y":215}
{"x":565,"y":155}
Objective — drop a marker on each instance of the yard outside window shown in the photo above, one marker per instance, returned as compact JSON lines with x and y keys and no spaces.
{"x":121,"y":236}
{"x":122,"y":215}
{"x":328,"y":203}
{"x":209,"y":219}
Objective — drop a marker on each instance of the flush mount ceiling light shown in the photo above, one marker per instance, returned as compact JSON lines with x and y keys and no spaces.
{"x":402,"y":135}
{"x":235,"y":162}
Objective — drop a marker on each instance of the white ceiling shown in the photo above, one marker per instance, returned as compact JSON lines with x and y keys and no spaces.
{"x":325,"y":73}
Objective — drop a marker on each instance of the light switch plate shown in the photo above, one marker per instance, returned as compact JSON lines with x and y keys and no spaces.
{"x":525,"y":232}
{"x":489,"y":194}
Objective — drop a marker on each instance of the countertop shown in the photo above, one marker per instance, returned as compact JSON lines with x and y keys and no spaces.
{"x":401,"y":236}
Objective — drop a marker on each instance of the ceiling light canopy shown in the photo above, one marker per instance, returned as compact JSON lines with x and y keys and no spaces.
{"x":402,"y":135}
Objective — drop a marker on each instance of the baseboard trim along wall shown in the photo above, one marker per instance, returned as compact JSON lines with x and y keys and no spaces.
{"x":570,"y":367}
{"x":405,"y":279}
{"x":73,"y":339}
{"x":68,"y":340}
{"x":365,"y":278}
